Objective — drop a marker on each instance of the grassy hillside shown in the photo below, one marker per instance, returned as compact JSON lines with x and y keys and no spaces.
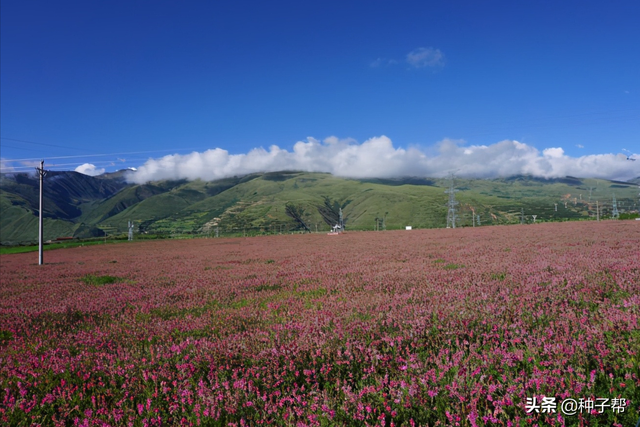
{"x":19,"y":224}
{"x":257,"y":203}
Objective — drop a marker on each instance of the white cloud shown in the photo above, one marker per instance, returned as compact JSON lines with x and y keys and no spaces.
{"x":579,"y":145}
{"x":554,"y":152}
{"x":377,"y":157}
{"x":89,"y":169}
{"x":425,"y":57}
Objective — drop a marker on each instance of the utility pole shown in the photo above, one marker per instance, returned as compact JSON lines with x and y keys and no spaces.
{"x":130,"y":230}
{"x":451,"y":213}
{"x":597,"y":210}
{"x":41,"y":173}
{"x":521,"y":215}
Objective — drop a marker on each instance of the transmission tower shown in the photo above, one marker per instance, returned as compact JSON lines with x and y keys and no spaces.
{"x":451,"y":214}
{"x":130,"y":224}
{"x":521,"y":215}
{"x":614,"y":213}
{"x":41,"y":174}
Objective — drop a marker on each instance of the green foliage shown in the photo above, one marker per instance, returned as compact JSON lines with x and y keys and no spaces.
{"x":330,"y":211}
{"x":453,"y":266}
{"x":239,"y":304}
{"x":50,"y":246}
{"x":313,"y":293}
{"x":297,"y":213}
{"x":273,"y":287}
{"x":91,"y":279}
{"x":630,"y":215}
{"x":5,"y":336}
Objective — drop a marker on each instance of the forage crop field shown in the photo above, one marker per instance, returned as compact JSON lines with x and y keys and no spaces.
{"x":462,"y":327}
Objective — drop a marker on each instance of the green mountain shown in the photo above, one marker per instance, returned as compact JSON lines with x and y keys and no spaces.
{"x":82,"y":206}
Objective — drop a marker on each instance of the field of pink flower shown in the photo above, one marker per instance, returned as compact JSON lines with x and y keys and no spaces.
{"x":400,"y":328}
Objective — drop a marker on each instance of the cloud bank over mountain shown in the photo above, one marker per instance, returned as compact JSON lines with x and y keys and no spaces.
{"x":90,"y":169}
{"x":378,"y":158}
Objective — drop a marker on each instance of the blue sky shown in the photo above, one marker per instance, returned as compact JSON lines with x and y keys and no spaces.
{"x":150,"y":79}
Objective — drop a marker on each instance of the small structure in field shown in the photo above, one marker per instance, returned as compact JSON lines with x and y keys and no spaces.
{"x":335,"y":230}
{"x":408,"y":227}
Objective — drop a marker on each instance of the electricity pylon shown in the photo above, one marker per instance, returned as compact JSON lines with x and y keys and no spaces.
{"x":451,"y":213}
{"x":615,"y":214}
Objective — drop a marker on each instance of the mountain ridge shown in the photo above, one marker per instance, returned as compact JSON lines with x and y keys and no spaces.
{"x":83,"y":206}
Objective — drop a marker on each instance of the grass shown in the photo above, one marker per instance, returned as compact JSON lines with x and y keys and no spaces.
{"x":4,"y":250}
{"x":499,"y":276}
{"x":274,"y":287}
{"x":5,"y":336}
{"x":91,"y":279}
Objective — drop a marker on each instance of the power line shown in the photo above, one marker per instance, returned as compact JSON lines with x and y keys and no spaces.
{"x":97,"y":155}
{"x":42,"y":143}
{"x":100,"y":162}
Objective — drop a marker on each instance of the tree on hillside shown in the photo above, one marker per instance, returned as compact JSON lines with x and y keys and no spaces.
{"x":330,"y":211}
{"x":296,"y":213}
